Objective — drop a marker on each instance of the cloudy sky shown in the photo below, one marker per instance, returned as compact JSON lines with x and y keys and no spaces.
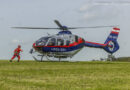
{"x":41,"y":13}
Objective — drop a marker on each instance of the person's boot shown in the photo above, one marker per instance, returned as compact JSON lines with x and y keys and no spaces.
{"x":10,"y":60}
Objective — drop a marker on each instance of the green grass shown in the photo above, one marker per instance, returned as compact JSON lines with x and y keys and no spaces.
{"x":31,"y":75}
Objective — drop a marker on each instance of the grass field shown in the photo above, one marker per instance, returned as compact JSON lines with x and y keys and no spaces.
{"x":31,"y":75}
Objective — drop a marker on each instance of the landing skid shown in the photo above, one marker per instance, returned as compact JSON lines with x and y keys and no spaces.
{"x":47,"y":56}
{"x":36,"y":59}
{"x":34,"y":56}
{"x":111,"y":57}
{"x":53,"y":58}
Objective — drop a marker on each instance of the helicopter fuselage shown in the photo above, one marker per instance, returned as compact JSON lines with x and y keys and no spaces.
{"x":59,"y":45}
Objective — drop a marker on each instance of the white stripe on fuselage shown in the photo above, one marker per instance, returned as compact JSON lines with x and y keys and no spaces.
{"x":68,"y":54}
{"x":115,"y":30}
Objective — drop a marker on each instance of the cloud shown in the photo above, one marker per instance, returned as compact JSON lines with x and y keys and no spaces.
{"x":16,"y":41}
{"x":85,"y":7}
{"x":87,"y":16}
{"x":92,"y":11}
{"x":24,"y":42}
{"x":111,"y":2}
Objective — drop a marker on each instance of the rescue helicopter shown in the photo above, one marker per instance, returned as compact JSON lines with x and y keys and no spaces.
{"x":64,"y":44}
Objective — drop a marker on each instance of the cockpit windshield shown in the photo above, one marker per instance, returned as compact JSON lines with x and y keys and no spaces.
{"x":42,"y":41}
{"x":52,"y":42}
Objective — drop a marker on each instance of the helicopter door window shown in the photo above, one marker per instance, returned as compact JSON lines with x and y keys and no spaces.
{"x":42,"y":41}
{"x":76,"y":38}
{"x":60,"y":42}
{"x":72,"y":39}
{"x":52,"y":42}
{"x":67,"y":43}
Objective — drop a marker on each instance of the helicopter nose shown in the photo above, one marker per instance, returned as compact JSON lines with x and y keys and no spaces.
{"x":37,"y":48}
{"x":34,"y":45}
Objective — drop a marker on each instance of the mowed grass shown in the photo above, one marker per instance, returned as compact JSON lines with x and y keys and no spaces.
{"x":32,"y":75}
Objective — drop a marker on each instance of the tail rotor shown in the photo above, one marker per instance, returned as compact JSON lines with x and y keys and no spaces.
{"x":111,"y":42}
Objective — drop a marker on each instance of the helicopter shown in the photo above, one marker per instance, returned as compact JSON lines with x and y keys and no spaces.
{"x":64,"y":44}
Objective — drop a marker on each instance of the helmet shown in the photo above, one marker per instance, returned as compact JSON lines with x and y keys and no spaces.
{"x":19,"y":46}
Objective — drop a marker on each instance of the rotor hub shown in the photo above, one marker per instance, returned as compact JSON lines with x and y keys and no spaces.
{"x":64,"y":32}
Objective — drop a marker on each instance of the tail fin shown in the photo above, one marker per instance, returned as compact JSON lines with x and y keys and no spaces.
{"x":111,"y":42}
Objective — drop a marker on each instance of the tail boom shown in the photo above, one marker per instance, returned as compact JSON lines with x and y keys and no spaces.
{"x":94,"y":44}
{"x":111,"y":45}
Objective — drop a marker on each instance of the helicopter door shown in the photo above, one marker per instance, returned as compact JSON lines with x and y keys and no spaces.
{"x":51,"y":42}
{"x":67,"y":42}
{"x":76,"y":38}
{"x":60,"y":42}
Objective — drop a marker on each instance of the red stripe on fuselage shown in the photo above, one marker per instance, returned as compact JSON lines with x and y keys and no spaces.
{"x":96,"y":43}
{"x":115,"y":32}
{"x":100,"y":43}
{"x":116,"y":28}
{"x":80,"y":40}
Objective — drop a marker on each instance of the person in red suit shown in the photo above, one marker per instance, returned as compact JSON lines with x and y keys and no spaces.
{"x":17,"y":53}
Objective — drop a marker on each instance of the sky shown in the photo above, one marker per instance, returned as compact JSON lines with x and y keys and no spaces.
{"x":42,"y":13}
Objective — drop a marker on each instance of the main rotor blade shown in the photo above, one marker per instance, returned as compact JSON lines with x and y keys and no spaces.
{"x":34,"y":28}
{"x":58,"y":23}
{"x":63,"y":27}
{"x":91,"y":27}
{"x":60,"y":26}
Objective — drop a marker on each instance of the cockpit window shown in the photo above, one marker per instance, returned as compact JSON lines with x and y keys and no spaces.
{"x":76,"y":38}
{"x":60,"y":42}
{"x":52,"y":42}
{"x":42,"y":41}
{"x":67,"y":42}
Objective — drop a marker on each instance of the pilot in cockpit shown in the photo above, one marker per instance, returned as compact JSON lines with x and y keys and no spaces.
{"x":60,"y":42}
{"x":50,"y":44}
